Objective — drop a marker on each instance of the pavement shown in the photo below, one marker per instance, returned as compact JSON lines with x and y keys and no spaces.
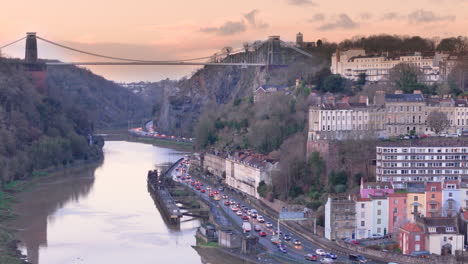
{"x":295,"y":254}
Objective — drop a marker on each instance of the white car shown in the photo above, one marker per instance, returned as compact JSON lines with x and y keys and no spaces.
{"x":320,"y":252}
{"x":260,"y":219}
{"x":269,"y":225}
{"x":239,"y":213}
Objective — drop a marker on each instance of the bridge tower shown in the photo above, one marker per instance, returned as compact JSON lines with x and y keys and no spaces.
{"x":273,"y":51}
{"x":36,"y":68}
{"x":31,"y":48}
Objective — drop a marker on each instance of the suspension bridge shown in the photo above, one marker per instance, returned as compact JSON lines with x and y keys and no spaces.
{"x":259,"y":54}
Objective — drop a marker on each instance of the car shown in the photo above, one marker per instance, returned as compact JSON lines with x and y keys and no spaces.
{"x":287,"y":237}
{"x":216,"y":192}
{"x":202,"y":191}
{"x":311,"y":257}
{"x":227,"y":203}
{"x":283,"y":249}
{"x":262,"y":233}
{"x":183,"y":178}
{"x":327,"y":260}
{"x":297,"y":242}
{"x":212,"y":194}
{"x":260,"y":219}
{"x":198,"y":187}
{"x":275,"y":232}
{"x":320,"y":252}
{"x":225,"y":197}
{"x":208,"y":188}
{"x":239,"y":213}
{"x":331,"y":255}
{"x":253,"y":213}
{"x":357,"y":258}
{"x":249,"y":212}
{"x":376,"y":236}
{"x":245,"y":218}
{"x":220,"y":189}
{"x":217,"y":198}
{"x":257,"y":228}
{"x":234,"y":208}
{"x":269,"y":225}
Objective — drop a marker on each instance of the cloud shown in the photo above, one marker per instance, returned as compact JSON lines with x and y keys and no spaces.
{"x":342,"y":22}
{"x":317,"y":17}
{"x":391,"y":16}
{"x":251,"y":18}
{"x":226,"y":29}
{"x":424,"y":16}
{"x":300,"y":2}
{"x":366,"y":16}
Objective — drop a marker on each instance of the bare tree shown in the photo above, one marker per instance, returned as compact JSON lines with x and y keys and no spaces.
{"x":246,"y":46}
{"x":438,"y":121}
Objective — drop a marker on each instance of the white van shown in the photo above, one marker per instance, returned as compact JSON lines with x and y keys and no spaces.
{"x":247,"y":227}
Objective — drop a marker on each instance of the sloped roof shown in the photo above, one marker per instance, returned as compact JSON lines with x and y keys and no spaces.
{"x":404,"y":98}
{"x":410,"y":227}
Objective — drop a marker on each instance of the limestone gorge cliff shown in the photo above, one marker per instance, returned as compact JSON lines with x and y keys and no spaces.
{"x":213,"y":86}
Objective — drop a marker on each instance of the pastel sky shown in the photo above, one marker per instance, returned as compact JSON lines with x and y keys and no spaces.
{"x":175,"y":29}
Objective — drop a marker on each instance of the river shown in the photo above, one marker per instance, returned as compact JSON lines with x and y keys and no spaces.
{"x":103,"y":214}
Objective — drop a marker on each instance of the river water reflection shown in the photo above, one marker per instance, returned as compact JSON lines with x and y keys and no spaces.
{"x":104,"y":214}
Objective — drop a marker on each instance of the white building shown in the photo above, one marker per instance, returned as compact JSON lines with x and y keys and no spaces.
{"x":351,"y":63}
{"x":245,"y":171}
{"x":443,"y":236}
{"x":364,"y":218}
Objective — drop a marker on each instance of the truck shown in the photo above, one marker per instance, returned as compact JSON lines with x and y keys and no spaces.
{"x":246,"y":227}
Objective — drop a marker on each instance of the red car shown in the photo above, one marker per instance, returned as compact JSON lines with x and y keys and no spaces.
{"x":212,"y":194}
{"x":193,"y":183}
{"x":311,"y":257}
{"x":263,"y":234}
{"x":198,"y":187}
{"x":227,"y":203}
{"x":183,"y":178}
{"x":202,"y":191}
{"x":216,"y":192}
{"x":245,"y":218}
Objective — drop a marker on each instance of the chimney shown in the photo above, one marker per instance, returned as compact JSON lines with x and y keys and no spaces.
{"x":363,"y":99}
{"x":398,"y":92}
{"x":417,"y":92}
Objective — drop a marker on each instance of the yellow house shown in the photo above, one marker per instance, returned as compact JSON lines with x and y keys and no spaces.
{"x":416,"y":201}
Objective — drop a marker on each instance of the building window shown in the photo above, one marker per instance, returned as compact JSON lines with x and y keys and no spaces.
{"x":433,"y":196}
{"x":379,"y":221}
{"x":379,"y":212}
{"x":379,"y":203}
{"x":417,"y":238}
{"x":417,"y":247}
{"x":395,"y":201}
{"x":449,"y":229}
{"x":379,"y":230}
{"x":363,"y":223}
{"x":363,"y":205}
{"x":415,"y":198}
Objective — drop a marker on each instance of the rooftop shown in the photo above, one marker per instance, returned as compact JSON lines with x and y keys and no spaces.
{"x":410,"y":227}
{"x":404,"y":98}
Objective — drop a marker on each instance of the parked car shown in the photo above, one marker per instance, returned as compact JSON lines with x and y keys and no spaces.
{"x":320,"y":252}
{"x":357,"y":258}
{"x":269,"y":225}
{"x":376,"y":236}
{"x":311,"y":257}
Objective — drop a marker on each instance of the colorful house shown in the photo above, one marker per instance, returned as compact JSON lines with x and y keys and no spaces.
{"x":364,"y":218}
{"x":375,"y":188}
{"x":433,"y":199}
{"x":411,"y":238}
{"x":397,"y":212}
{"x":451,"y":198}
{"x":416,"y":200}
{"x":380,"y":214}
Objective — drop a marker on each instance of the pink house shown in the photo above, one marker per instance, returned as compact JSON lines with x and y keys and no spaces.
{"x":396,"y":211}
{"x":375,"y":189}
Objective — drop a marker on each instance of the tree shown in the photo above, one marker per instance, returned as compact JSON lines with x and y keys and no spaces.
{"x":319,"y":43}
{"x":438,"y":121}
{"x":406,"y":77}
{"x":334,"y":84}
{"x":246,"y":46}
{"x":227,"y":50}
{"x":362,"y":78}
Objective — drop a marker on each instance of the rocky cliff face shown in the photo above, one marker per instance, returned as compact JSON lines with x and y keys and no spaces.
{"x":186,"y":99}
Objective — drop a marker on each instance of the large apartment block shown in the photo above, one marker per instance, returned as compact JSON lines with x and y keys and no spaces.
{"x":423,"y":163}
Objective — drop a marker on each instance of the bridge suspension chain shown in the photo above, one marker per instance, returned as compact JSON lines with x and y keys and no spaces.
{"x":11,"y":43}
{"x":125,"y":59}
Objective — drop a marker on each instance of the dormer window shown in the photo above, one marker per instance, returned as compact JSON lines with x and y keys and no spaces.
{"x":378,"y":187}
{"x":386,"y":187}
{"x":432,"y":229}
{"x":449,"y":229}
{"x":368,"y":187}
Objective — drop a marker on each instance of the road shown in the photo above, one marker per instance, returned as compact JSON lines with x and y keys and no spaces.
{"x":295,"y":254}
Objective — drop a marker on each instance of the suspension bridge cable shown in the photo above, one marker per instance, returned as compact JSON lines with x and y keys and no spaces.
{"x":119,"y":58}
{"x":11,"y":43}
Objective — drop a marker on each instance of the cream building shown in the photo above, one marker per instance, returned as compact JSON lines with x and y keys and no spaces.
{"x":244,"y":172}
{"x":215,"y":163}
{"x":351,"y":63}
